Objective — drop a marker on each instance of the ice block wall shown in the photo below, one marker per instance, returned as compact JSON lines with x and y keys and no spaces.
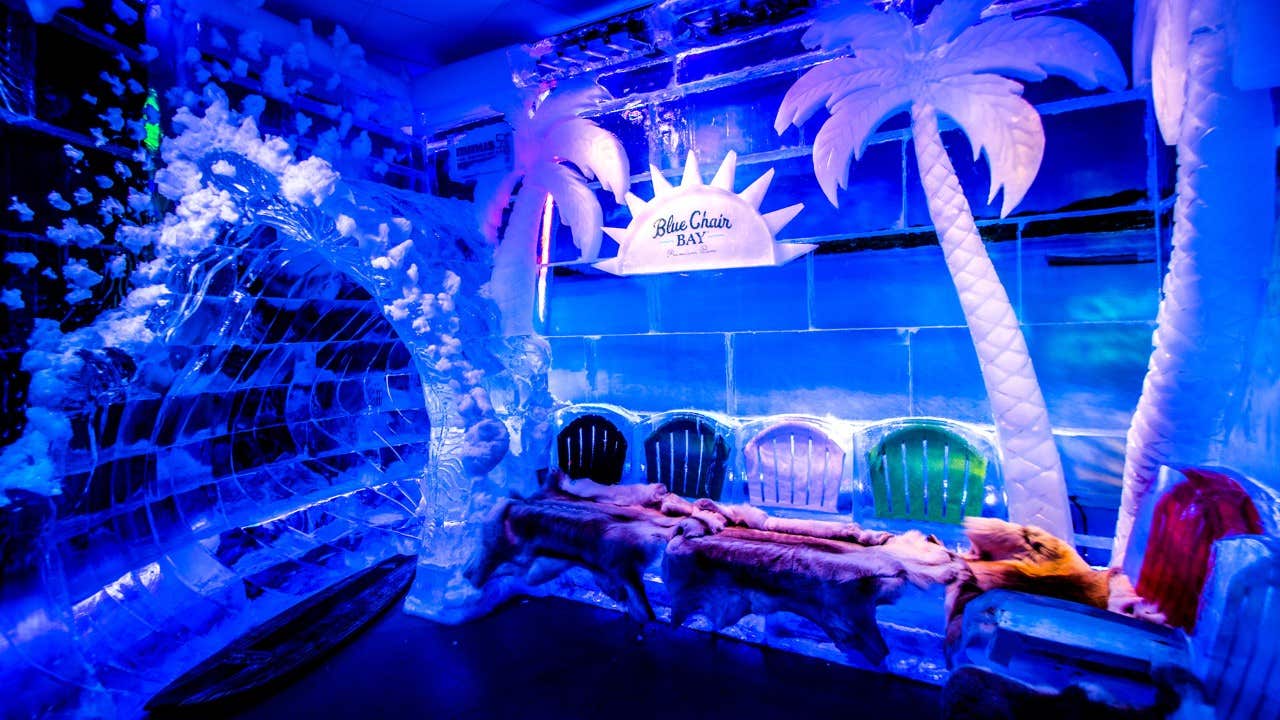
{"x":868,"y":326}
{"x":1253,"y":437}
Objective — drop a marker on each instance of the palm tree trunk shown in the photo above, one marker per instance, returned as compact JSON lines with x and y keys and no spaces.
{"x":1032,"y":469}
{"x":513,"y":285}
{"x":1214,"y":287}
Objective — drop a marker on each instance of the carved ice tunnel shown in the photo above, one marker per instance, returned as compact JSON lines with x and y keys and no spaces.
{"x":275,"y":448}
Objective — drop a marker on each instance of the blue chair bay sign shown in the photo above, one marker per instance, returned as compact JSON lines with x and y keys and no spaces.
{"x":697,"y":226}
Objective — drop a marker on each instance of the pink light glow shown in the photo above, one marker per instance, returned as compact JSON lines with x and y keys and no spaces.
{"x":544,"y":256}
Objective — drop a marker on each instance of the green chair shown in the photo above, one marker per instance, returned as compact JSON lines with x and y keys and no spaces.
{"x":928,"y":472}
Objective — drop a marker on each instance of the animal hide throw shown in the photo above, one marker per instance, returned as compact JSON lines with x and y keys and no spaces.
{"x":1028,"y":559}
{"x":741,"y":571}
{"x":615,"y":543}
{"x":721,"y":561}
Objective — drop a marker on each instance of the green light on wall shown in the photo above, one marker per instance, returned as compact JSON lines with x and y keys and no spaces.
{"x":151,"y":110}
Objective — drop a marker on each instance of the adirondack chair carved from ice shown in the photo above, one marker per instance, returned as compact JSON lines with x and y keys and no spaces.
{"x":930,"y":474}
{"x":689,"y":452}
{"x":795,"y":462}
{"x":594,"y":441}
{"x":1224,"y":665}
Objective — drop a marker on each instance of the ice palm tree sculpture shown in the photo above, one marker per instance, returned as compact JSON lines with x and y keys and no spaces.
{"x":953,"y":65}
{"x":1222,"y":235}
{"x":544,"y":140}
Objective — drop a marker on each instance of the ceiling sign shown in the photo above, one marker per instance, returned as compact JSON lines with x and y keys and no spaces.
{"x":481,"y":151}
{"x":701,"y":227}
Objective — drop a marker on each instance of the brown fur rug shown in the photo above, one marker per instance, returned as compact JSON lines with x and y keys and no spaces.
{"x":740,"y":571}
{"x":538,"y":540}
{"x":1025,"y":558}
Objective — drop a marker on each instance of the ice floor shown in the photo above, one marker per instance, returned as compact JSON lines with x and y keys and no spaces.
{"x":552,"y":658}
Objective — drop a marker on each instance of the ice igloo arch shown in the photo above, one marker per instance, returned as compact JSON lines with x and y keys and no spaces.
{"x":311,"y":393}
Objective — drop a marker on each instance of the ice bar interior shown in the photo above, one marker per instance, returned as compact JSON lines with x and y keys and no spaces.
{"x":934,"y":340}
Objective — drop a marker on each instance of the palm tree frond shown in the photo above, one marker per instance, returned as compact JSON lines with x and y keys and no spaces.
{"x":829,"y":82}
{"x":859,"y":25}
{"x":1169,"y":49}
{"x":577,"y":203}
{"x":991,"y":111}
{"x":948,"y":19}
{"x":595,"y":151}
{"x":1033,"y":48}
{"x":845,"y":134}
{"x":568,"y":102}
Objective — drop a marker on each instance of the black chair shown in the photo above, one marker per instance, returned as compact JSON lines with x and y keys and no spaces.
{"x":591,"y":446}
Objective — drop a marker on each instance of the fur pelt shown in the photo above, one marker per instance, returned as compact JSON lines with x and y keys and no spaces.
{"x":740,"y":571}
{"x":752,"y":517}
{"x":1028,"y":559}
{"x":709,"y":516}
{"x":926,"y":560}
{"x":537,"y":540}
{"x":639,"y":495}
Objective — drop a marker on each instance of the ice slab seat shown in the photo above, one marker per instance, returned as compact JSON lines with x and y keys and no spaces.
{"x":1226,"y":663}
{"x":1047,"y":641}
{"x":899,"y":474}
{"x":832,"y":574}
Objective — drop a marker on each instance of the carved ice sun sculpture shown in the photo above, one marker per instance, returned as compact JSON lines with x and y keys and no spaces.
{"x":700,"y":227}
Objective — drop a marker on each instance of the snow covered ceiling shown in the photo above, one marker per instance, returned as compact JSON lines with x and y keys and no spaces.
{"x":430,"y":33}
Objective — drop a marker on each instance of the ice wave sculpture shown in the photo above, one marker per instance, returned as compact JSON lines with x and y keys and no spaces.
{"x":299,"y":380}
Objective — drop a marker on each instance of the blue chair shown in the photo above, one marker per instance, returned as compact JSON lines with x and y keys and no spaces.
{"x":689,"y":452}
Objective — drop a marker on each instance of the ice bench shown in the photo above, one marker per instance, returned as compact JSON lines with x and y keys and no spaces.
{"x":1224,"y":659}
{"x":708,"y":560}
{"x":897,"y":474}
